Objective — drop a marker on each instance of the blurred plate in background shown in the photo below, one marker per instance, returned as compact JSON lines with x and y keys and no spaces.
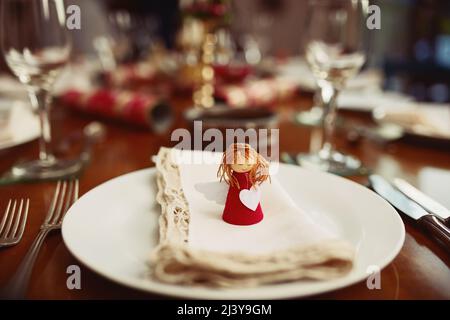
{"x":422,"y":120}
{"x":18,"y":123}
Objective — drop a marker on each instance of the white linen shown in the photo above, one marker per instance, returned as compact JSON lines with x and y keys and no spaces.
{"x":429,"y":119}
{"x":284,"y":224}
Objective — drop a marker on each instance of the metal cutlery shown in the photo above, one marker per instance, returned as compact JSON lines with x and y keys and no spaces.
{"x":432,"y":223}
{"x":293,"y":159}
{"x":65,"y":195}
{"x":422,"y":199}
{"x":13,"y":222}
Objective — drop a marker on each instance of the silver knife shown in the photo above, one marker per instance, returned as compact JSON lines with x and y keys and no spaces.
{"x":433,"y":224}
{"x":422,"y":199}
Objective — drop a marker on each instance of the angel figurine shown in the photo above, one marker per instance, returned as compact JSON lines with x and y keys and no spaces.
{"x":243,"y":169}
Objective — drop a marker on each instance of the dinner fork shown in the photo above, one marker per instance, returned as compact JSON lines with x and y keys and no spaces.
{"x":65,"y":195}
{"x":13,"y":222}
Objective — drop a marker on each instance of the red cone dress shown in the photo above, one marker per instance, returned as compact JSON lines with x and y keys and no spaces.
{"x":235,"y":212}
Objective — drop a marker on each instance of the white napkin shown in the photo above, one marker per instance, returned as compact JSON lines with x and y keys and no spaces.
{"x":427,"y":119}
{"x":369,"y":99}
{"x":284,"y":224}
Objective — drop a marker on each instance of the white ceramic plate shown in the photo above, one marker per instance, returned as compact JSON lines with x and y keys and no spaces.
{"x":21,"y":126}
{"x":113,"y":228}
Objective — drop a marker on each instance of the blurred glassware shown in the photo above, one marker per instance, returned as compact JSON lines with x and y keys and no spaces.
{"x":131,"y":38}
{"x":190,"y":40}
{"x":135,"y":32}
{"x":257,"y":44}
{"x":104,"y":46}
{"x":335,"y":53}
{"x":36,"y":47}
{"x":297,"y":69}
{"x":253,"y":40}
{"x":252,"y":50}
{"x":225,"y":47}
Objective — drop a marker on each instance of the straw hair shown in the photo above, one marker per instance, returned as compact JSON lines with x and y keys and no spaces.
{"x":257,"y":175}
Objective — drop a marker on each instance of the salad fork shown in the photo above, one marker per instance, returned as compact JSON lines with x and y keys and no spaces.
{"x":13,"y":222}
{"x":65,"y":195}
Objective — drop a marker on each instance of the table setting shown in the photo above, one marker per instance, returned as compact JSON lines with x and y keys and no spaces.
{"x":183,"y":155}
{"x":138,"y":182}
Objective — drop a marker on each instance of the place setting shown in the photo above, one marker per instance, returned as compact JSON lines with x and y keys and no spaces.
{"x":221,"y":150}
{"x":322,"y":240}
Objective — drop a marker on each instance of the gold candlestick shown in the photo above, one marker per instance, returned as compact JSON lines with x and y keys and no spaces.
{"x":204,"y":95}
{"x":202,"y":19}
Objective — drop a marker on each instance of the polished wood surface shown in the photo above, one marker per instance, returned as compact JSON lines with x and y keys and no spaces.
{"x":420,"y":271}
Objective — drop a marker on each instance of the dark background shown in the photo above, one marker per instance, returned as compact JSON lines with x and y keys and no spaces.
{"x":412,"y":47}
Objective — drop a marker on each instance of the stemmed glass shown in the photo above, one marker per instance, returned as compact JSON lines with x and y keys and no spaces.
{"x":36,"y":47}
{"x":334,"y":52}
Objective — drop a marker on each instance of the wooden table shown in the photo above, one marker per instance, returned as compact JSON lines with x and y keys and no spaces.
{"x":420,"y":271}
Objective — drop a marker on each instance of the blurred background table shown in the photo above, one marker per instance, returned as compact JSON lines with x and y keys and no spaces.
{"x":410,"y":52}
{"x":420,"y":271}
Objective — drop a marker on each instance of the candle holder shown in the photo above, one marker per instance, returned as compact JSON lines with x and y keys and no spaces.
{"x":203,"y":18}
{"x":203,"y":95}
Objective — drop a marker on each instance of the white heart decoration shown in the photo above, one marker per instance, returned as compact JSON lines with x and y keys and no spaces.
{"x":250,"y":198}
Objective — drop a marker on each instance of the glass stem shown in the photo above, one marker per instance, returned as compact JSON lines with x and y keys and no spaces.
{"x":329,"y":96}
{"x":40,"y":99}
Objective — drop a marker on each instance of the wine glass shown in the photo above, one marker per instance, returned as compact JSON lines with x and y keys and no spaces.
{"x":36,"y":46}
{"x":335,"y":53}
